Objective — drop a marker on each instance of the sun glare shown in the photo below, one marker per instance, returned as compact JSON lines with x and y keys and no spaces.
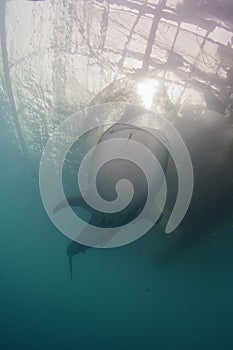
{"x":146,"y":89}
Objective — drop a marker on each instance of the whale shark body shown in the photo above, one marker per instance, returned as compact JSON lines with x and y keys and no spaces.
{"x":109,"y":175}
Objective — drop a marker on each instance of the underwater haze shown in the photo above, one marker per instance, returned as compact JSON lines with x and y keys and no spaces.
{"x":58,"y":57}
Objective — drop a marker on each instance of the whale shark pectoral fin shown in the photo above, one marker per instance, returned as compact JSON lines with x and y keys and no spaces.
{"x":75,"y":200}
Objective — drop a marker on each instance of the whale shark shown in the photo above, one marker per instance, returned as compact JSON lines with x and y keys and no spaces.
{"x":109,"y":175}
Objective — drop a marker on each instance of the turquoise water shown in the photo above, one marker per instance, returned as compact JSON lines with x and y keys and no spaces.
{"x":120,"y":298}
{"x":133,"y":297}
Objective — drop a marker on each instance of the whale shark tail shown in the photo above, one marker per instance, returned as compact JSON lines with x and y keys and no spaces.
{"x":73,"y":249}
{"x":71,"y":267}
